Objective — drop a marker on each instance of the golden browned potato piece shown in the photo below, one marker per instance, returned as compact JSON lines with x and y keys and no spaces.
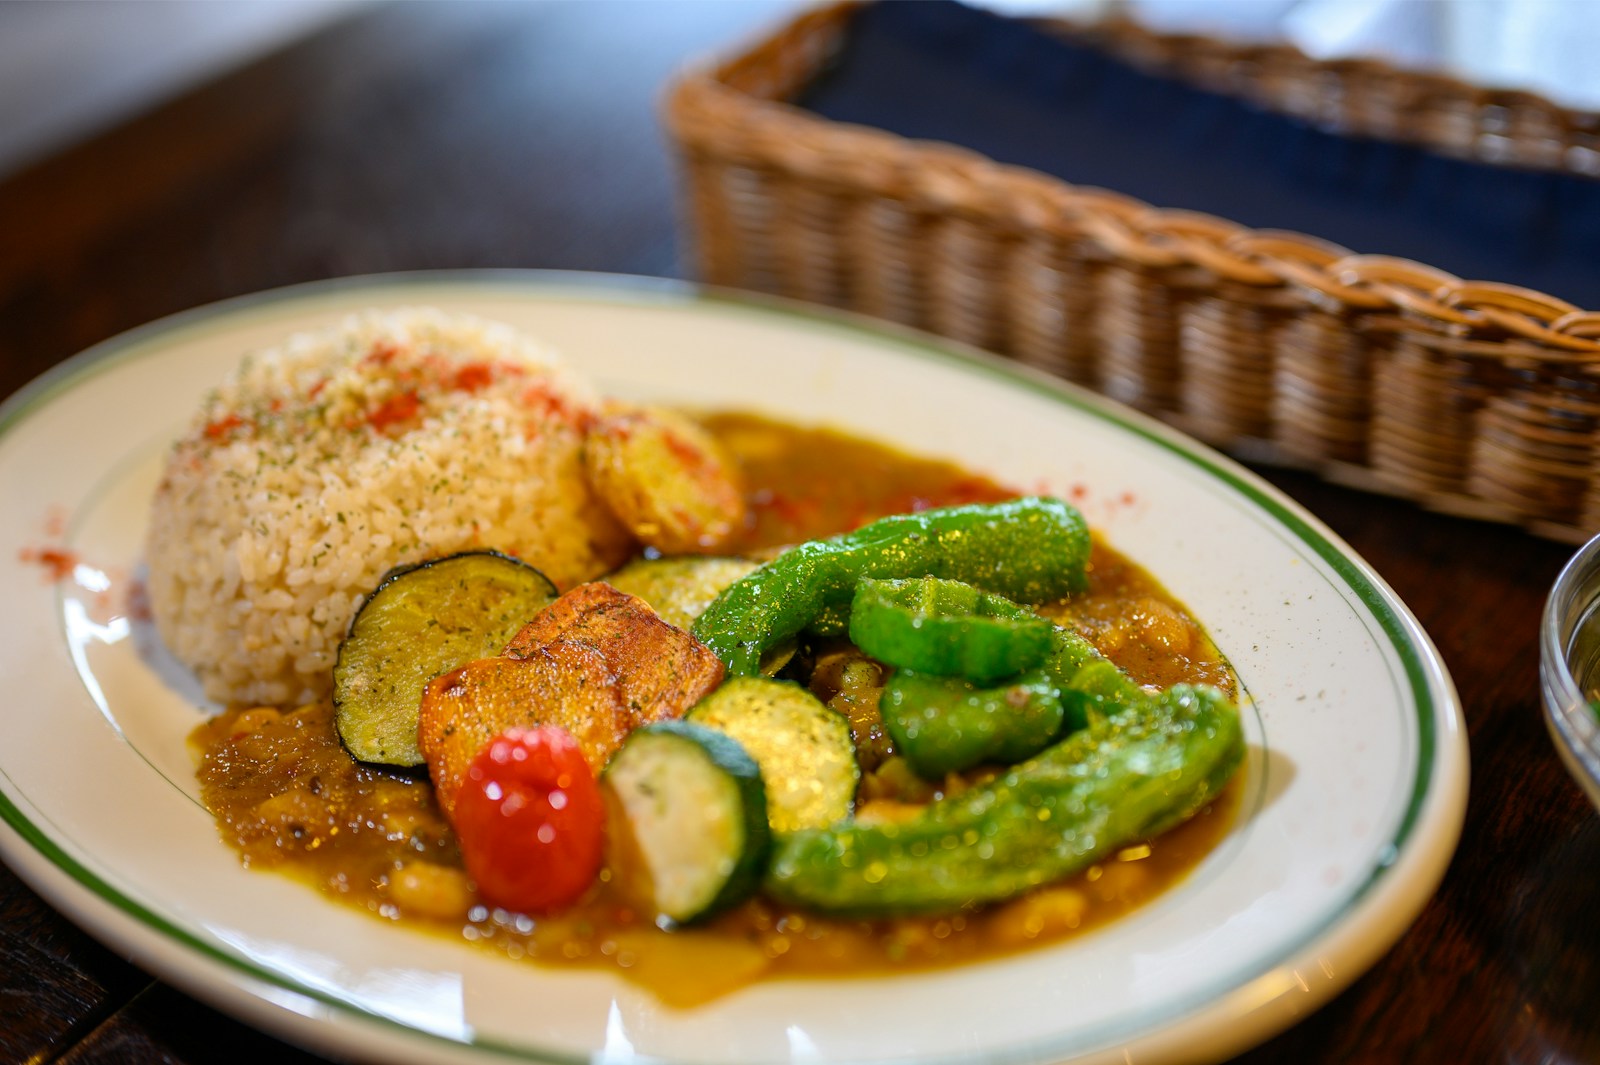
{"x":665,"y":478}
{"x":572,"y":615}
{"x":654,"y":663}
{"x":596,"y":662}
{"x":560,"y":684}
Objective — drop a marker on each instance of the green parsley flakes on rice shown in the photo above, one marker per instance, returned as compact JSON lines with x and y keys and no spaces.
{"x":318,"y":465}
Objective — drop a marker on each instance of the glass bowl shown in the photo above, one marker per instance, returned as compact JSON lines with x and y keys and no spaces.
{"x":1569,"y":666}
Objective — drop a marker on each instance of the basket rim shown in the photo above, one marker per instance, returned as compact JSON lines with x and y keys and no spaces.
{"x":707,"y":111}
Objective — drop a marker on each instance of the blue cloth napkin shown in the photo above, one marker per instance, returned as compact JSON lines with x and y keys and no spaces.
{"x":938,"y":70}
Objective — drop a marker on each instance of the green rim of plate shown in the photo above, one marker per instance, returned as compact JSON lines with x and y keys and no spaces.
{"x":635,"y":291}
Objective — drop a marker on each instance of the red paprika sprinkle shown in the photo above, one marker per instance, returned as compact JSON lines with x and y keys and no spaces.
{"x":383,"y":353}
{"x":539,"y":398}
{"x":398,"y":408}
{"x":58,"y":562}
{"x":138,"y":605}
{"x":474,"y":376}
{"x":223,"y":426}
{"x":686,"y":453}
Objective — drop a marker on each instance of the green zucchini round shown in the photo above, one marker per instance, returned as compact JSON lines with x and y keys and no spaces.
{"x":679,"y":589}
{"x":423,"y":620}
{"x":804,"y":749}
{"x":688,"y":820}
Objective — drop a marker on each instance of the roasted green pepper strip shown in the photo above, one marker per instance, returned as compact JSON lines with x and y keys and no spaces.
{"x":945,"y":725}
{"x":833,"y":621}
{"x":1030,"y":550}
{"x":1124,"y":778}
{"x":1091,"y":684}
{"x":949,"y":640}
{"x":947,"y":628}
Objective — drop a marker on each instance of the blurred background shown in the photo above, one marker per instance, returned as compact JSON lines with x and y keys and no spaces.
{"x":69,"y":69}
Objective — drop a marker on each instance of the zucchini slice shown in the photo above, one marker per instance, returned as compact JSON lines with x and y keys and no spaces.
{"x":804,"y":749}
{"x":679,"y":589}
{"x":421,"y":621}
{"x":687,"y":818}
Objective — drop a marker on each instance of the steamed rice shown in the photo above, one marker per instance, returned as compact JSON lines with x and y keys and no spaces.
{"x":318,"y":465}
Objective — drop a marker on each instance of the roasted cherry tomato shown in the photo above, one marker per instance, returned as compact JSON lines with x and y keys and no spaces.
{"x":530,"y":820}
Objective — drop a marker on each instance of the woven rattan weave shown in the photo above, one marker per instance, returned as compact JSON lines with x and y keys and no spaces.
{"x":1472,"y":397}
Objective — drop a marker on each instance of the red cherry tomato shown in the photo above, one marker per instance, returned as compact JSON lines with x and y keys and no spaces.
{"x":529,"y":816}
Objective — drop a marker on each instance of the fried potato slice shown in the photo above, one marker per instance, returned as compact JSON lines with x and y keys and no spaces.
{"x":559,"y":684}
{"x":569,"y":615}
{"x":667,"y":479}
{"x":654,"y":663}
{"x":596,"y":662}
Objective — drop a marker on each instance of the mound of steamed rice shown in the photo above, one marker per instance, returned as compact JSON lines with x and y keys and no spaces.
{"x":318,"y":465}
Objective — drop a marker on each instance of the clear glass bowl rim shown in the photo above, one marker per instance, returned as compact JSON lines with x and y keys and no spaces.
{"x":1572,"y":723}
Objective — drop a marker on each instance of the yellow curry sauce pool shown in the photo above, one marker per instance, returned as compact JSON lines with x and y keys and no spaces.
{"x":286,"y":794}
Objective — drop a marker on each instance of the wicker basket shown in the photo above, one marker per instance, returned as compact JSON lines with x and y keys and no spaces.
{"x":1365,"y":97}
{"x":1474,"y":398}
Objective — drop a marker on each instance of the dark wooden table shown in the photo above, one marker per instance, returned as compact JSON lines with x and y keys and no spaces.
{"x":423,"y":136}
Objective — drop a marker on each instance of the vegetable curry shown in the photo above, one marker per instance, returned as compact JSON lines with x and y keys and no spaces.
{"x":288,"y":795}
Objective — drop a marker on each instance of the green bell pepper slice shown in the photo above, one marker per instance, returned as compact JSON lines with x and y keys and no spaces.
{"x":1031,"y":550}
{"x":946,"y":628}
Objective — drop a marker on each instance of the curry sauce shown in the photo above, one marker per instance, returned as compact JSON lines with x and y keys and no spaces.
{"x":289,"y":797}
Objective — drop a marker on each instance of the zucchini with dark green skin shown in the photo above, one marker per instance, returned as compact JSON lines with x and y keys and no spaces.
{"x":804,"y":749}
{"x":679,"y":589}
{"x":1124,"y":778}
{"x":421,"y":621}
{"x":688,"y":820}
{"x":1030,"y":550}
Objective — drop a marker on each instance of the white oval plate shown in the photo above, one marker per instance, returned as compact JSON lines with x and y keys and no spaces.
{"x":1355,"y":789}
